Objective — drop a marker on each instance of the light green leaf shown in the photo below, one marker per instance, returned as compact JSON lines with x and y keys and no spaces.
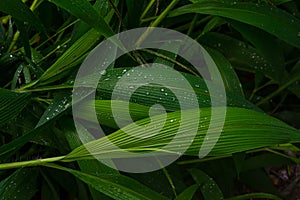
{"x":243,"y":130}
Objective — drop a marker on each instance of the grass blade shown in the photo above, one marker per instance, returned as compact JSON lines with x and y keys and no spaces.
{"x":262,"y":16}
{"x":85,"y":11}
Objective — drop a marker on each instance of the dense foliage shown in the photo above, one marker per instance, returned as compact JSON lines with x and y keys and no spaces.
{"x":255,"y":45}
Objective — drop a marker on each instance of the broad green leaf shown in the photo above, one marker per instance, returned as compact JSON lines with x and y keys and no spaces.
{"x":266,"y":44}
{"x":11,"y":104}
{"x":85,"y":11}
{"x":92,"y":167}
{"x":241,"y":55}
{"x":21,"y":185}
{"x":243,"y":130}
{"x":116,"y":186}
{"x":20,"y":11}
{"x":188,"y":193}
{"x":262,"y":16}
{"x":208,"y":187}
{"x":153,"y":94}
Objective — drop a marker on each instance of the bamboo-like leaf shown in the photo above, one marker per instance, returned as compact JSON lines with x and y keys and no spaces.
{"x":262,"y":16}
{"x":243,"y":130}
{"x":20,"y":11}
{"x":11,"y":104}
{"x":230,"y":78}
{"x":188,"y":193}
{"x":241,"y":55}
{"x":85,"y":11}
{"x":152,"y":93}
{"x":70,"y":58}
{"x":208,"y":187}
{"x":116,"y":186}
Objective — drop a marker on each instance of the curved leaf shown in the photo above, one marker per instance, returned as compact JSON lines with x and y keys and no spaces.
{"x":262,"y":16}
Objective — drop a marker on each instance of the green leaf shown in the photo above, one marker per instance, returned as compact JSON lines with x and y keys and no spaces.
{"x":230,"y":78}
{"x":208,"y":187}
{"x":18,"y":10}
{"x":243,"y":130}
{"x":21,"y":185}
{"x":11,"y":104}
{"x":265,"y":17}
{"x":266,"y":44}
{"x":241,"y":55}
{"x":188,"y":193}
{"x":85,"y":11}
{"x":72,"y":57}
{"x":116,"y":186}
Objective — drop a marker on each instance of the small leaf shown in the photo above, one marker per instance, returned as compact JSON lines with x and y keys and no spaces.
{"x":208,"y":187}
{"x":188,"y":193}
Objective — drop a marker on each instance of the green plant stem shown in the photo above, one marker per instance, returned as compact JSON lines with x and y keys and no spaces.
{"x":29,"y":163}
{"x":280,"y":89}
{"x":254,"y":195}
{"x":259,"y":88}
{"x":157,"y":21}
{"x":192,"y":25}
{"x":13,"y":42}
{"x":147,"y":9}
{"x":17,"y":33}
{"x":56,"y":87}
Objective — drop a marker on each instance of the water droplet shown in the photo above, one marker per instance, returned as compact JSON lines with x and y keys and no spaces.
{"x":103,"y":72}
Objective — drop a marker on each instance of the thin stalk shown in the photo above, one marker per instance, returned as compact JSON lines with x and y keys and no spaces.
{"x":259,"y":88}
{"x":147,"y":9}
{"x":17,"y":33}
{"x":157,"y":21}
{"x":56,"y":87}
{"x":171,"y":60}
{"x":57,"y":33}
{"x":280,"y":89}
{"x":29,"y":163}
{"x":254,"y":195}
{"x":192,"y":25}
